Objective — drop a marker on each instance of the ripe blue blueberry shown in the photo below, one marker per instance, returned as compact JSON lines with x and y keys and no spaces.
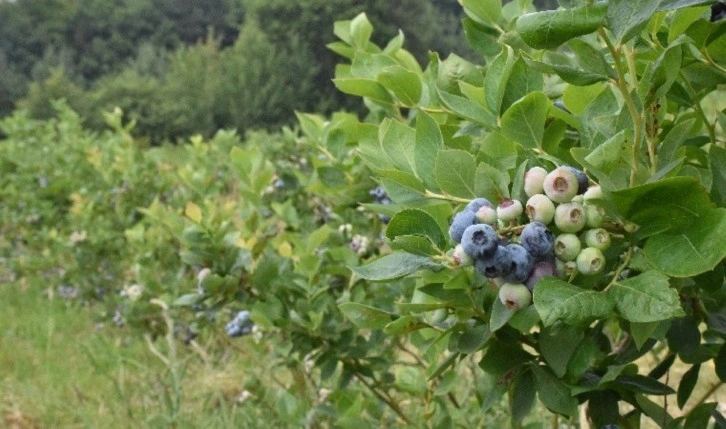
{"x":537,"y":239}
{"x":561,"y":185}
{"x":497,"y":265}
{"x":477,"y":203}
{"x":522,"y":263}
{"x":461,"y":221}
{"x":534,"y":181}
{"x":582,"y":180}
{"x":480,"y":241}
{"x":570,"y":217}
{"x":539,"y":208}
{"x":567,"y":247}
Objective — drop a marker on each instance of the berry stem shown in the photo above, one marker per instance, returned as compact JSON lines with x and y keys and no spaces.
{"x":434,"y":195}
{"x":621,"y":267}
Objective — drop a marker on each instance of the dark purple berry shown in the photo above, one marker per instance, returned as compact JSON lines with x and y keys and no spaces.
{"x":537,"y":239}
{"x":497,"y":265}
{"x":480,"y":240}
{"x":522,"y":262}
{"x":540,"y":269}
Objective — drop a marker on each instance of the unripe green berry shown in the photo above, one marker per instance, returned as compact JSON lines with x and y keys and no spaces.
{"x":578,"y":199}
{"x":570,"y":217}
{"x":509,"y":210}
{"x":460,"y":257}
{"x":597,"y":238}
{"x":567,"y":247}
{"x":515,"y":296}
{"x":534,"y":181}
{"x":594,"y":192}
{"x":539,"y":208}
{"x":561,"y":185}
{"x":487,"y":214}
{"x":590,"y":261}
{"x":594,"y":216}
{"x":630,"y":227}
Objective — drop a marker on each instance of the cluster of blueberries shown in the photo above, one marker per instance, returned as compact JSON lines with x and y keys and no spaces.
{"x":561,"y":201}
{"x":240,"y":325}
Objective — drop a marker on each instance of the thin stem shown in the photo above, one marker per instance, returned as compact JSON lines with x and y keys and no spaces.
{"x":384,"y":398}
{"x":436,"y":196}
{"x":621,"y":267}
{"x":629,"y":102}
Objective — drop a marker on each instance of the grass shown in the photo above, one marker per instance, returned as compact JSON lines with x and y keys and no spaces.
{"x":60,"y":369}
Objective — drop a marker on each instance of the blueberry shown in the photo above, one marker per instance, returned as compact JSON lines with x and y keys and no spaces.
{"x":460,"y":257}
{"x":534,"y":181}
{"x":594,"y":192}
{"x":540,"y":269}
{"x":539,"y":208}
{"x":498,"y":265}
{"x":570,"y":217}
{"x":567,"y":247}
{"x":480,"y":241}
{"x":522,"y":263}
{"x":561,"y":185}
{"x":487,"y":214}
{"x":582,"y":180}
{"x":597,"y":238}
{"x":594,"y":216}
{"x":477,"y":203}
{"x":509,"y":210}
{"x":515,"y":296}
{"x":461,"y":221}
{"x":537,"y":239}
{"x":590,"y":261}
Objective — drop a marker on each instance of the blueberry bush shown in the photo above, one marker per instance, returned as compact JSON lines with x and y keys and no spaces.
{"x":496,"y":243}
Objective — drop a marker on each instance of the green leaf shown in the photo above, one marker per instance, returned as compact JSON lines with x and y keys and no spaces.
{"x":665,"y":72}
{"x":626,"y":18}
{"x":360,"y":30}
{"x":550,"y":29}
{"x":524,"y":121}
{"x":500,"y":315}
{"x":495,"y":81}
{"x":643,"y":384}
{"x":557,"y":300}
{"x":484,"y":11}
{"x":393,"y":266}
{"x":673,"y":204}
{"x":717,"y":158}
{"x":682,"y":19}
{"x":522,"y":81}
{"x":498,"y":151}
{"x":473,"y":339}
{"x":641,"y":332}
{"x":557,"y":343}
{"x":700,"y":416}
{"x":491,"y":183}
{"x":647,"y":297}
{"x":416,"y":244}
{"x":455,"y":173}
{"x":523,"y":396}
{"x":416,"y":222}
{"x":403,"y":325}
{"x":428,"y":143}
{"x":405,"y":84}
{"x":694,"y":250}
{"x":368,"y":66}
{"x":553,"y":392}
{"x":569,"y":73}
{"x":364,"y":88}
{"x":468,"y":109}
{"x":398,"y":141}
{"x":332,"y":177}
{"x":720,"y":364}
{"x":687,"y":384}
{"x":364,"y":316}
{"x":679,"y":4}
{"x":410,"y":380}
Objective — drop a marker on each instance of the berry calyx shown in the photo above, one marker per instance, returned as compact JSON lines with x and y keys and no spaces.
{"x":479,"y":241}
